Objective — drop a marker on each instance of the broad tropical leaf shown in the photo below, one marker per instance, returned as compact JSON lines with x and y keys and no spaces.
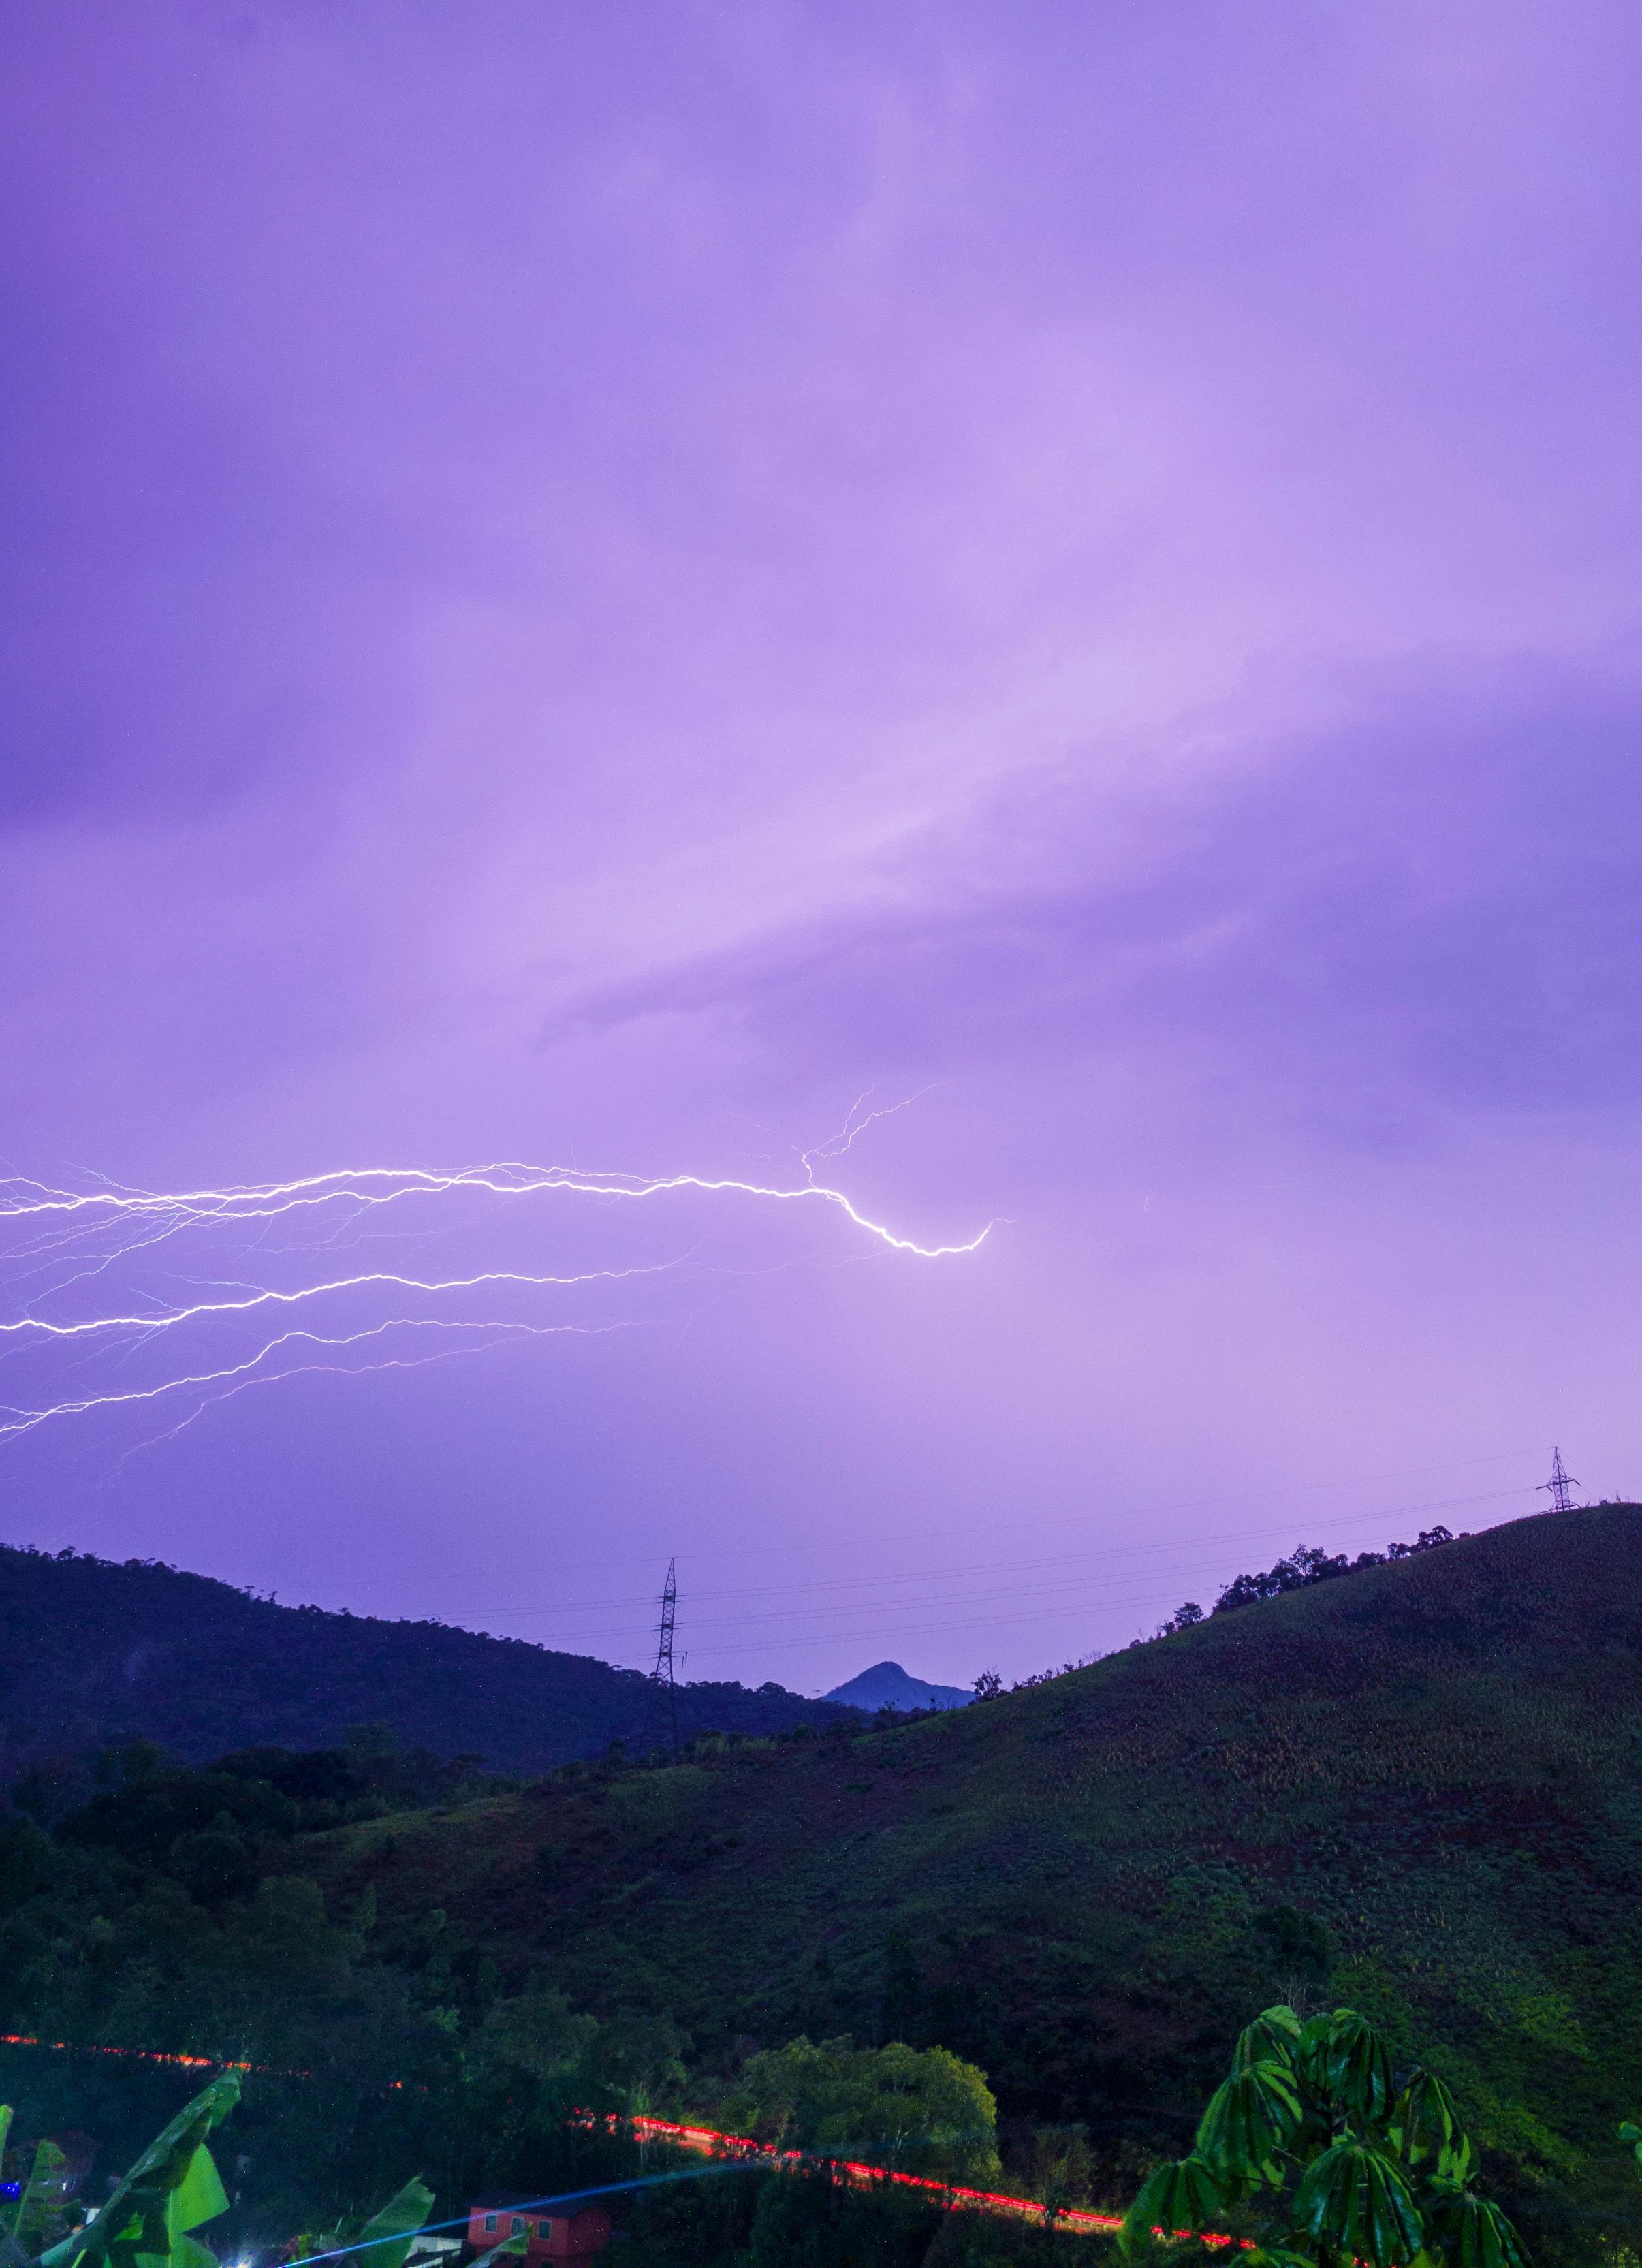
{"x":1627,"y":2133}
{"x":1248,"y":2119}
{"x":1178,"y":2197}
{"x":1342,"y":2057}
{"x":1355,"y":2200}
{"x":386,"y":2238}
{"x":137,"y":2219}
{"x":1271,"y":2038}
{"x":187,"y":2252}
{"x":1425,"y":2123}
{"x":35,"y":2202}
{"x":199,"y":2196}
{"x":1475,"y":2234}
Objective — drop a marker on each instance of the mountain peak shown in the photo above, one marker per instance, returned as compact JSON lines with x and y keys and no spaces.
{"x":887,"y":1686}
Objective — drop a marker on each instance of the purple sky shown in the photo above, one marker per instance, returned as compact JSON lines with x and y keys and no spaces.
{"x":591,"y":584}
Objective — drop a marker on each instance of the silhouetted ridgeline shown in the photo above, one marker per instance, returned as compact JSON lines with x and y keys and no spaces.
{"x":93,"y":1653}
{"x":1306,"y":1565}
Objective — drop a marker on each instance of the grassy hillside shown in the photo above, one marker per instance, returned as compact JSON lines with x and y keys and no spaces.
{"x":1414,"y":1787}
{"x":93,"y":1653}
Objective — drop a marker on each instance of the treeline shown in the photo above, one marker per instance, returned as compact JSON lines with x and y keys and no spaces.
{"x":1306,"y":1564}
{"x":98,"y":1654}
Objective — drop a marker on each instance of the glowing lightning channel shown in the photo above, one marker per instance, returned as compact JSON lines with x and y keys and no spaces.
{"x":165,"y":1319}
{"x":59,"y":1240}
{"x":235,"y":1377}
{"x":269,"y":1199}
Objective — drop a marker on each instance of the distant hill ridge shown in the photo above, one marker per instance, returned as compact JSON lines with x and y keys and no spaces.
{"x":95,"y":1651}
{"x":887,"y":1686}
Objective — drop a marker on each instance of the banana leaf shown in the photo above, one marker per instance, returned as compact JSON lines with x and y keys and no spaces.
{"x":386,"y":2237}
{"x":1271,"y":2038}
{"x":1472,"y":2233}
{"x":35,"y":2201}
{"x":1355,"y":2200}
{"x":137,"y":2219}
{"x":1249,"y":2120}
{"x":1178,"y":2199}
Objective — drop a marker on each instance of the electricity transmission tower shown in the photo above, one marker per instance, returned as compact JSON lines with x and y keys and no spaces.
{"x":663,"y":1712}
{"x":1559,"y":1484}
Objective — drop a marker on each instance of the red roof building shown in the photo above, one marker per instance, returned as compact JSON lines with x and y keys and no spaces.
{"x":551,"y":2236}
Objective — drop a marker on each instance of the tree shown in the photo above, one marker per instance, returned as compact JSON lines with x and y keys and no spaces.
{"x":1314,"y":2150}
{"x":525,"y":2065}
{"x":926,"y":2112}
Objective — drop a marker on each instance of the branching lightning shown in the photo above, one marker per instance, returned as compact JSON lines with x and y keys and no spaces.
{"x":135,"y":1290}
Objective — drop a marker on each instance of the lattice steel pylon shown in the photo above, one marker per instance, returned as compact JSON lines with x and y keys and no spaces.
{"x":664,"y":1694}
{"x":1560,"y":1482}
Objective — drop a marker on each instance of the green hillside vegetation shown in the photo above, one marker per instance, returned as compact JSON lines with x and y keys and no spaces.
{"x":94,"y":1653}
{"x":1414,"y":1787}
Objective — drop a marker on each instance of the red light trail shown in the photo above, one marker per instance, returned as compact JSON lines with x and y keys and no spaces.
{"x":707,"y":2139}
{"x":156,"y":2055}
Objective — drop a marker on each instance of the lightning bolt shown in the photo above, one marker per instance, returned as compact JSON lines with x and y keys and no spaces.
{"x":269,"y":1199}
{"x":60,"y":1245}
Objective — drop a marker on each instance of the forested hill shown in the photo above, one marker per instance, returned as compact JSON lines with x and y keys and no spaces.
{"x":93,"y":1651}
{"x":1416,"y":1788}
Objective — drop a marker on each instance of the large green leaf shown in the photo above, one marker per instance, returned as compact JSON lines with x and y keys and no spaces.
{"x":40,"y":2194}
{"x":187,"y":2252}
{"x":1424,"y":2124}
{"x":1271,"y":2038}
{"x":199,"y":2196}
{"x":1469,"y":2232}
{"x":1355,"y":2200}
{"x":1248,"y":2119}
{"x":1344,"y":2059}
{"x":386,"y":2237}
{"x":137,"y":2219}
{"x":1182,"y":2195}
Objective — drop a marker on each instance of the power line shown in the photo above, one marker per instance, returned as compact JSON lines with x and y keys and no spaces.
{"x":742,"y":1553}
{"x":1152,"y":1557}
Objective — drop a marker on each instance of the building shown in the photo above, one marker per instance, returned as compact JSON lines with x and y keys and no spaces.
{"x":551,"y":2236}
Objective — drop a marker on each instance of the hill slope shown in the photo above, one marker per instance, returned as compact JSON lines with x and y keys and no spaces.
{"x":1414,"y":1787}
{"x":887,"y":1686}
{"x":93,"y":1653}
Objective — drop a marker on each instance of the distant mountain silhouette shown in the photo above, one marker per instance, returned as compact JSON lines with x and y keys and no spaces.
{"x":886,"y":1686}
{"x":94,"y":1653}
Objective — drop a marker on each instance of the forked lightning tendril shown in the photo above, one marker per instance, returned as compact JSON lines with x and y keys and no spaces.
{"x":230,"y":1254}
